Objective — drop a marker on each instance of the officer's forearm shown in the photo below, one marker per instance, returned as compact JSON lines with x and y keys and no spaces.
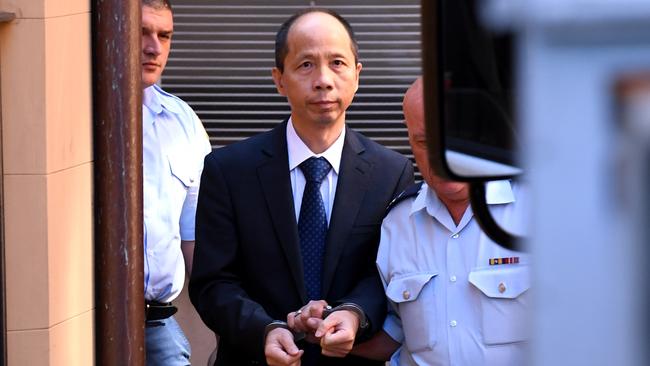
{"x":380,"y":347}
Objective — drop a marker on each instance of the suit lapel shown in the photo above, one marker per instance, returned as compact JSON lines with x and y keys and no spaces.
{"x":273,"y":174}
{"x":354,"y":177}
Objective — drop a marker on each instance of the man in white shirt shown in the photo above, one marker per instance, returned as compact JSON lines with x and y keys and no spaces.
{"x":456,"y":297}
{"x":174,"y":145}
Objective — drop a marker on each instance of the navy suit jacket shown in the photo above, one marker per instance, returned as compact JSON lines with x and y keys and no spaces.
{"x":247,"y":267}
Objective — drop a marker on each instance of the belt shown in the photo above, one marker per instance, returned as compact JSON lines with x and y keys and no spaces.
{"x":155,"y":310}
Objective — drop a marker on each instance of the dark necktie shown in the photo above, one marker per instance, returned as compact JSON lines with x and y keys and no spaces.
{"x":312,"y":224}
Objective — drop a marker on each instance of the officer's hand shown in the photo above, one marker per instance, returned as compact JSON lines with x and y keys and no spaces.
{"x":280,"y":349}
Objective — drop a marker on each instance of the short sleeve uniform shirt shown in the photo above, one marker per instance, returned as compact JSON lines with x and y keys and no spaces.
{"x":174,"y":146}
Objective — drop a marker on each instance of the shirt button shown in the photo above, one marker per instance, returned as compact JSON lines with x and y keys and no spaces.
{"x":502,"y":287}
{"x":453,"y":323}
{"x":191,"y":180}
{"x":455,"y":236}
{"x":406,"y":294}
{"x":452,"y":278}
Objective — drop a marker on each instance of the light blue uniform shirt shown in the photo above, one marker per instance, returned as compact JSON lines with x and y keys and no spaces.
{"x":449,"y":306}
{"x":174,"y":146}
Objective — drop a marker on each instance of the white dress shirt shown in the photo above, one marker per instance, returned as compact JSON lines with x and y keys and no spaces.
{"x":174,"y":146}
{"x":299,"y":152}
{"x":449,"y":305}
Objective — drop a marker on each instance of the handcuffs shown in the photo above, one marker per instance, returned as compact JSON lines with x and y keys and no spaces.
{"x":298,"y":336}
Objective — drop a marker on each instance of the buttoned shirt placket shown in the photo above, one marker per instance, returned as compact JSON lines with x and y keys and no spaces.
{"x":452,"y":281}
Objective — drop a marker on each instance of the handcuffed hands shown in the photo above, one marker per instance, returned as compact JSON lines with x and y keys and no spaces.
{"x":335,"y":334}
{"x":280,"y":349}
{"x":308,"y":319}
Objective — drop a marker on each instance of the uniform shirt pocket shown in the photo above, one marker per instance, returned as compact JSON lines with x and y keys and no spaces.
{"x":504,"y":303}
{"x":182,"y":167}
{"x":414,"y":296}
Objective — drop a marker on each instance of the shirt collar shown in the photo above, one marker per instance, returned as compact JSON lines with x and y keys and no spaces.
{"x":427,"y":199}
{"x":496,"y":192}
{"x":299,"y":152}
{"x":152,"y":98}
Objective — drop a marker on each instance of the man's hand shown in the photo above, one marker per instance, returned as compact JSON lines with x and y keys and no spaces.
{"x":280,"y":349}
{"x":337,"y":333}
{"x":308,"y":319}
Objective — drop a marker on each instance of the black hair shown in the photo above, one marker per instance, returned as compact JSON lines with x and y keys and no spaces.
{"x":281,"y":47}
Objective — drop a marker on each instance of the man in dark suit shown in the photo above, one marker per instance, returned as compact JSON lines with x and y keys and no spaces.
{"x":273,"y":241}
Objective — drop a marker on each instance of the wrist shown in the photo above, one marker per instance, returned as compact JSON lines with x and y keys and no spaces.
{"x":274,"y":325}
{"x":282,"y":325}
{"x":353,"y":308}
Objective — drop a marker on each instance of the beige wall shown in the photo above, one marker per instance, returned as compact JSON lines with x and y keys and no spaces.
{"x":202,"y":339}
{"x":45,"y":75}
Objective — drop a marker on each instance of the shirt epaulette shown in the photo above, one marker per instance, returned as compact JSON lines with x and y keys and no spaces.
{"x":410,"y":191}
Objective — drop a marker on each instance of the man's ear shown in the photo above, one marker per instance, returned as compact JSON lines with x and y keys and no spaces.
{"x":277,"y":79}
{"x":357,"y":72}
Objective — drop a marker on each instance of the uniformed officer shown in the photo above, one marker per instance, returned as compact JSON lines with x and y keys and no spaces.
{"x":457,"y":298}
{"x":174,"y":145}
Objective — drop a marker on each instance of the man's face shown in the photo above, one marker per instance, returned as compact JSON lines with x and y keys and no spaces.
{"x":445,"y":189}
{"x":320,"y":74}
{"x":157,"y":29}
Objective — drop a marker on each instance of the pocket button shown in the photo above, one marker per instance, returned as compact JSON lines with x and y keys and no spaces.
{"x":502,"y":287}
{"x":406,"y":294}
